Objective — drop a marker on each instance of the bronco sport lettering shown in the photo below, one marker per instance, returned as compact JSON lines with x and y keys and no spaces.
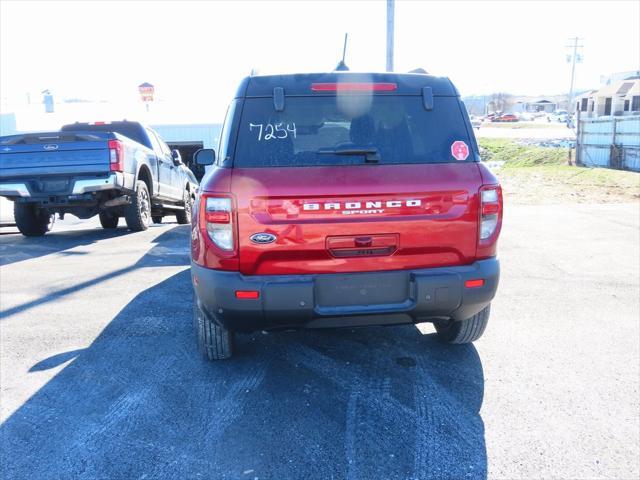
{"x":356,"y":205}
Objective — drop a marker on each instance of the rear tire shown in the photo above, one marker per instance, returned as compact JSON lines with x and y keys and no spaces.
{"x":31,"y":220}
{"x":214,"y":341}
{"x":464,"y":331}
{"x":184,"y":216}
{"x":157,"y":219}
{"x":138,"y":213}
{"x":108,"y":221}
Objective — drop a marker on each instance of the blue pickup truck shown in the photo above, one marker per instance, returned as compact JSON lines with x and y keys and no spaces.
{"x":115,"y":169}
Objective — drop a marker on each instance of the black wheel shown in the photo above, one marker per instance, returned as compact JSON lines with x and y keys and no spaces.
{"x":138,"y":213}
{"x":214,"y":341}
{"x":156,"y":218}
{"x":31,"y":220}
{"x":184,"y":216}
{"x":465,"y":331}
{"x":108,"y":220}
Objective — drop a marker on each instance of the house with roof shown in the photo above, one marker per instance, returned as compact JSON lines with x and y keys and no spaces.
{"x":536,"y":104}
{"x":619,"y":96}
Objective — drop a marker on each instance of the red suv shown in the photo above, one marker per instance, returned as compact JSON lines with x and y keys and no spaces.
{"x":341,"y":200}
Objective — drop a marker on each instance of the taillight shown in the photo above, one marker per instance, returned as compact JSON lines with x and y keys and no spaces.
{"x":490,"y":213}
{"x":216,"y":220}
{"x":116,"y":156}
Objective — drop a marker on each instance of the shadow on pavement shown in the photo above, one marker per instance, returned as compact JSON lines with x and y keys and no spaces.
{"x":139,"y":403}
{"x":169,"y":248}
{"x":15,"y":247}
{"x":55,"y":360}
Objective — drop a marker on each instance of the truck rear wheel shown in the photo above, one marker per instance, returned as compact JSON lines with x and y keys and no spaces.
{"x":184,"y":216}
{"x":108,"y":221}
{"x":214,"y":341}
{"x":31,"y":220}
{"x":138,"y":213}
{"x":464,"y":331}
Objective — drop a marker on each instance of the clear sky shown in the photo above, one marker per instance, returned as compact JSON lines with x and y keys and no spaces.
{"x":196,"y":51}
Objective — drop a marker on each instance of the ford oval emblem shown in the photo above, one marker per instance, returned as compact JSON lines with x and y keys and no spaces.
{"x":262,"y":238}
{"x":51,"y":146}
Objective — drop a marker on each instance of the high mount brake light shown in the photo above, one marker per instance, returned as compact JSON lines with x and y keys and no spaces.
{"x":216,"y":220}
{"x":116,"y":155}
{"x":354,"y":87}
{"x":490,"y":211}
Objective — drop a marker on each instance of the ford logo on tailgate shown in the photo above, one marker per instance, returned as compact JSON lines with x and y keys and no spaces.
{"x":262,"y":238}
{"x":51,"y":146}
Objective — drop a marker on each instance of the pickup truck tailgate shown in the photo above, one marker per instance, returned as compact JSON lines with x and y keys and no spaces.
{"x":35,"y":155}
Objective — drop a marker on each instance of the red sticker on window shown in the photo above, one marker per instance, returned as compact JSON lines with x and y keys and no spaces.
{"x":459,"y":150}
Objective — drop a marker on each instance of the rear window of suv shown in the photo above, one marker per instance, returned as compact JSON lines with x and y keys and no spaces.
{"x":332,"y":130}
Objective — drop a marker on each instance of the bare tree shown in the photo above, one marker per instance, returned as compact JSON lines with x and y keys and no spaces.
{"x":500,"y":102}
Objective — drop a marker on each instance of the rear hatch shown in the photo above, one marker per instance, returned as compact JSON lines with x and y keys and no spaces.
{"x":362,"y":181}
{"x":54,"y":154}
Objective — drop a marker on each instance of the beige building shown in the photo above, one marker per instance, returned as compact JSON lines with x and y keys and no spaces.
{"x":619,"y":97}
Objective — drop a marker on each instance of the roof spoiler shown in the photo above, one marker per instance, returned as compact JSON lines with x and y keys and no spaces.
{"x":427,"y":98}
{"x":278,"y":99}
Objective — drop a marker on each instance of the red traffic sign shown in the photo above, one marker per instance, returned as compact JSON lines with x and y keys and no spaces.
{"x":459,"y":150}
{"x":146,"y":91}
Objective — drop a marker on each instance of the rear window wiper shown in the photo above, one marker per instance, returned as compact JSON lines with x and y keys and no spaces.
{"x":371,"y":155}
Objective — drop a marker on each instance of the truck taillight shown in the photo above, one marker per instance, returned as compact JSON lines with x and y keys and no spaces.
{"x":216,"y":220}
{"x":490,"y":213}
{"x":116,"y":156}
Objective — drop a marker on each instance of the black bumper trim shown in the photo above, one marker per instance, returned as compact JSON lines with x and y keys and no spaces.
{"x":333,"y":300}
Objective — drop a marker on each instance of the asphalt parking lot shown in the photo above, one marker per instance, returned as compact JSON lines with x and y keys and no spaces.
{"x":100,"y":376}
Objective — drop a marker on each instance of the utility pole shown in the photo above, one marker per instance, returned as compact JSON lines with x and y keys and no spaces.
{"x":390,"y":7}
{"x":573,"y":58}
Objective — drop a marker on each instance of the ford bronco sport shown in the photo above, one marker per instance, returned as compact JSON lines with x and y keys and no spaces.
{"x":341,"y":200}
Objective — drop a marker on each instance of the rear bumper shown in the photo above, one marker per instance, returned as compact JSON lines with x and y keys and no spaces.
{"x":345,"y":300}
{"x":34,"y":189}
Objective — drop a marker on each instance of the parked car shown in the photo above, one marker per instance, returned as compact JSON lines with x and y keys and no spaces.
{"x":558,"y":116}
{"x":476,"y":122}
{"x":344,"y":200}
{"x":526,"y":117}
{"x":506,"y":117}
{"x":118,"y":169}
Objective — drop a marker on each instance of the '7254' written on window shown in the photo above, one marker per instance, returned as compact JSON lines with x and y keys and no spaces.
{"x":273,"y":131}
